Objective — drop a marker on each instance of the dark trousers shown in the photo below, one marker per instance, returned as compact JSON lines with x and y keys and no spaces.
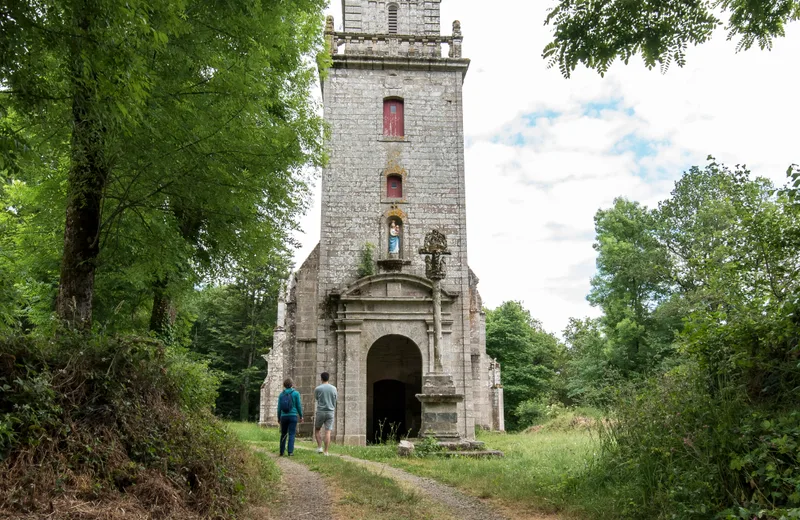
{"x":288,"y":429}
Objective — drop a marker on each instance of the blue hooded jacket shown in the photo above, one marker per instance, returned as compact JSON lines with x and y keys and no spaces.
{"x":297,"y":406}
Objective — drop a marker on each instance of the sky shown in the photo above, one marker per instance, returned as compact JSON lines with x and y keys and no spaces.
{"x":544,"y":153}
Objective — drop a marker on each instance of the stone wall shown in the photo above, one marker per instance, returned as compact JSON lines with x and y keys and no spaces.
{"x":431,"y":154}
{"x":371,"y":16}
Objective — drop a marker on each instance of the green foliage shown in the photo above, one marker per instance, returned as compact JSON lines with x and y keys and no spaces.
{"x":713,"y":435}
{"x":203,"y":124}
{"x":597,"y":32}
{"x":366,"y":266}
{"x":232,"y":329}
{"x":96,"y":417}
{"x":527,"y":354}
{"x":632,"y":280}
{"x":590,"y":378}
{"x":695,"y":447}
{"x":427,"y":447}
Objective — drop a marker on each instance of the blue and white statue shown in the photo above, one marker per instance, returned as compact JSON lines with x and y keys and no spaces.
{"x":394,"y":238}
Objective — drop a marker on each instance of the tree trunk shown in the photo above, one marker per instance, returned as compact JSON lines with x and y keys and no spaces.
{"x":165,"y":309}
{"x":162,"y":318}
{"x":86,"y":181}
{"x":244,"y":403}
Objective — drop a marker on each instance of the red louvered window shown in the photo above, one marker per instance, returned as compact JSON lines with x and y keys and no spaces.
{"x":394,"y":187}
{"x":393,"y":124}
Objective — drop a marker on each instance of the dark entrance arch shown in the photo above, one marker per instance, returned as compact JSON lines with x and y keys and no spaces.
{"x":394,"y":377}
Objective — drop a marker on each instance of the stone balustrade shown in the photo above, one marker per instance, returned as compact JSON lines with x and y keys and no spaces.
{"x":403,"y":45}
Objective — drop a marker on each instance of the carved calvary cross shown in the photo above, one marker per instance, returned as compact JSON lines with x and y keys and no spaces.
{"x":434,"y":249}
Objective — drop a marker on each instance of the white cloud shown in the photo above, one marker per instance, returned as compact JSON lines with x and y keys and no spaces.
{"x":532,"y":190}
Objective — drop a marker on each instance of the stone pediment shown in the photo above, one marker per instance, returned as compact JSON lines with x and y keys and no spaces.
{"x":392,"y":286}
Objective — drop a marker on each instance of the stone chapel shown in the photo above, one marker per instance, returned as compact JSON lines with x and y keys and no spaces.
{"x":403,"y":334}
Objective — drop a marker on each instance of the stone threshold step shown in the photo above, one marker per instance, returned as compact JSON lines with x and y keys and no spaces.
{"x":475,"y":454}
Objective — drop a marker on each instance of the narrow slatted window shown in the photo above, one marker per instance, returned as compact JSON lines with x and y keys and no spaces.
{"x":393,"y":122}
{"x":394,"y":187}
{"x":393,"y":19}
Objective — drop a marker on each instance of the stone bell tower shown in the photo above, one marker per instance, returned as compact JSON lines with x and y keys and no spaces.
{"x":405,"y":348}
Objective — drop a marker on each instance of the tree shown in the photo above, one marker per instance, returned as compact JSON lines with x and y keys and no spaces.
{"x":183,"y":127}
{"x":708,"y":434}
{"x":233,"y":328}
{"x":590,"y":377}
{"x":527,"y":354}
{"x":597,"y":32}
{"x":735,"y":250}
{"x":632,"y":280}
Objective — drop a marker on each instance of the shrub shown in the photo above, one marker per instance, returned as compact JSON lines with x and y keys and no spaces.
{"x":96,"y":419}
{"x":366,"y":266}
{"x":689,"y":446}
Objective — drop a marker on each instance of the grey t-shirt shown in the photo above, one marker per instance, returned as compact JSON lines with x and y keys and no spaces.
{"x":325,"y":394}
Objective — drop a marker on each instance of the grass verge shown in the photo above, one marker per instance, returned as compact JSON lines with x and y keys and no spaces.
{"x":357,"y":492}
{"x":361,"y":494}
{"x":546,"y":472}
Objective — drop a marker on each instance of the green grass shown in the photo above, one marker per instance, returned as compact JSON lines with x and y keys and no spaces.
{"x":538,"y":470}
{"x":546,"y":471}
{"x":365,"y":494}
{"x":253,"y":433}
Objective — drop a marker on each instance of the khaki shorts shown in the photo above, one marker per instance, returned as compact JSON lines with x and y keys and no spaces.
{"x":323,"y":418}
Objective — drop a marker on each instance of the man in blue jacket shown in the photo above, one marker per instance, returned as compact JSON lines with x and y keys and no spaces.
{"x":290,"y":411}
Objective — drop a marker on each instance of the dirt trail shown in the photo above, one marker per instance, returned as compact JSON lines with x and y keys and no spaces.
{"x":462,"y":506}
{"x":303,"y":494}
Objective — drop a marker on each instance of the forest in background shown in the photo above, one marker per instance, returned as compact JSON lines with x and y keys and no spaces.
{"x":694,"y":363}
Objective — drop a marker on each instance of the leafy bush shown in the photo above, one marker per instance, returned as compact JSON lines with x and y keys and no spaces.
{"x":427,"y":447}
{"x":530,"y":412}
{"x":366,"y":266}
{"x":689,"y":446}
{"x":99,"y":419}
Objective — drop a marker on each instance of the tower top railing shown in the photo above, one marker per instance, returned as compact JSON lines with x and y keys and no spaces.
{"x":396,"y":45}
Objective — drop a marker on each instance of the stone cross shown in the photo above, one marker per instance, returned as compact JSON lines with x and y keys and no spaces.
{"x":435,"y":269}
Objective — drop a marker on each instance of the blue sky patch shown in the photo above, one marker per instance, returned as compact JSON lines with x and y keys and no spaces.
{"x":639,"y":146}
{"x":596,"y":108}
{"x":532,"y":118}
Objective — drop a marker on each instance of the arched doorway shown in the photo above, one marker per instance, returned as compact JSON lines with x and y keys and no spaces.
{"x":394,"y":377}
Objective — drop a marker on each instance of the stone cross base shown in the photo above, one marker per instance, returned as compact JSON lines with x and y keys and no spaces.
{"x":439,"y":407}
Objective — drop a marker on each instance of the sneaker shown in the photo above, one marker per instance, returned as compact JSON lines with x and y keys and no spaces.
{"x":320,"y":450}
{"x":326,"y":453}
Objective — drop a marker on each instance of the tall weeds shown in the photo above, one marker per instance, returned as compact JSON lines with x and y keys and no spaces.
{"x":686,"y":446}
{"x":94,"y":420}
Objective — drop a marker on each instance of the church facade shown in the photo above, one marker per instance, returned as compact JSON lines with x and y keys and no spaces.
{"x":406,"y":349}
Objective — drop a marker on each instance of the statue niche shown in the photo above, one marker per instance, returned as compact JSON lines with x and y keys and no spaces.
{"x":395,"y":236}
{"x":394,"y":241}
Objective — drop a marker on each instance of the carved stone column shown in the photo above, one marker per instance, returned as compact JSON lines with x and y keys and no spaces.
{"x":439,"y":398}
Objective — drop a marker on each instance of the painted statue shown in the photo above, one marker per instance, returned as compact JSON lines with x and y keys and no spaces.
{"x":394,"y":238}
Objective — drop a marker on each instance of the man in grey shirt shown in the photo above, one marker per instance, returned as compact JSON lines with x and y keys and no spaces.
{"x":325,"y":394}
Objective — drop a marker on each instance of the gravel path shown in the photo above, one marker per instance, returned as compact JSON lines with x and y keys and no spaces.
{"x":462,"y":506}
{"x":304,"y":492}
